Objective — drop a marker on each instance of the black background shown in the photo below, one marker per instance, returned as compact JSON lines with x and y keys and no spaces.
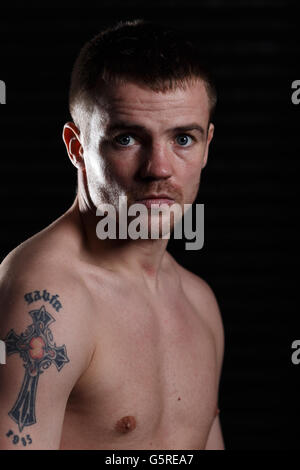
{"x":249,"y":187}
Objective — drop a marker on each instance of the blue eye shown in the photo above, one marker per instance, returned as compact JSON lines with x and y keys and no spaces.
{"x":182,"y":140}
{"x":124,"y":140}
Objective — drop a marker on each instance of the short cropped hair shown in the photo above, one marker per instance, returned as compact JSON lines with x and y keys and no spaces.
{"x":136,"y":51}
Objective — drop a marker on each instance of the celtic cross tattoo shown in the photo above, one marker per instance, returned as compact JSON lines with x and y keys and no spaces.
{"x":39,"y":352}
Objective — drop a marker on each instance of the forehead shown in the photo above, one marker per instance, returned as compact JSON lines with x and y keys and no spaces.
{"x":139,"y":104}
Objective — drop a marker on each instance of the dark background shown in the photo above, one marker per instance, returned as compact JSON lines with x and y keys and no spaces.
{"x":249,"y":187}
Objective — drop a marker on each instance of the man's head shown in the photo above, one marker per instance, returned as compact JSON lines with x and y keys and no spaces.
{"x":141,"y":103}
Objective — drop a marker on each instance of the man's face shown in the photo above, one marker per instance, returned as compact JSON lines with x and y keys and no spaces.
{"x":142,"y":143}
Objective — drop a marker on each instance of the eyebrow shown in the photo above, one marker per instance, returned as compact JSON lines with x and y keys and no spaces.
{"x":121,"y":125}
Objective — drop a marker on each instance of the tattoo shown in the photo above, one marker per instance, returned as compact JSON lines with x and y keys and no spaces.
{"x":43,"y":295}
{"x":16,"y":439}
{"x":38,"y":351}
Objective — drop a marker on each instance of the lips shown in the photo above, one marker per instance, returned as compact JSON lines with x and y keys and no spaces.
{"x":157,"y":199}
{"x":158,"y":196}
{"x":161,"y":196}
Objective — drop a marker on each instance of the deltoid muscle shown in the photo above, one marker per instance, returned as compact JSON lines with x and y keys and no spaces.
{"x":38,"y":352}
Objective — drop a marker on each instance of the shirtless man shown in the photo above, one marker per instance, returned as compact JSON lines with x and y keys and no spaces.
{"x":111,"y":344}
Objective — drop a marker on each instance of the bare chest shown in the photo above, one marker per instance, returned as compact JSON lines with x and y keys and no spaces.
{"x":152,"y":381}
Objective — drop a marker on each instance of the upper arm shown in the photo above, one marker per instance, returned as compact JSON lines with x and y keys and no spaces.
{"x":44,"y":358}
{"x":214,"y":319}
{"x":211,"y":310}
{"x":215,"y":438}
{"x":207,"y":305}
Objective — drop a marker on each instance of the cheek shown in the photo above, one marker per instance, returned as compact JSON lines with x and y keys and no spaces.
{"x":95,"y":168}
{"x":101,"y":170}
{"x":190,"y":180}
{"x":122,"y":169}
{"x":106,"y":173}
{"x":192,"y":170}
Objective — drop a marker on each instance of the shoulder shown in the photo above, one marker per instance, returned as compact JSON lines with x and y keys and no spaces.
{"x":38,"y":264}
{"x":203,"y":299}
{"x":50,"y":258}
{"x":198,"y":292}
{"x":40,"y":276}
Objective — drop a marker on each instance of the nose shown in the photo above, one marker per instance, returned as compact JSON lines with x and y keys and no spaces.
{"x":156,"y":163}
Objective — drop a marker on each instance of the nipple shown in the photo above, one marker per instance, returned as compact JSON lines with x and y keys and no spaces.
{"x":126,"y":424}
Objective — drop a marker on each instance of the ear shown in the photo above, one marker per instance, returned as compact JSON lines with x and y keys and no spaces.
{"x":71,"y":138}
{"x":210,"y":134}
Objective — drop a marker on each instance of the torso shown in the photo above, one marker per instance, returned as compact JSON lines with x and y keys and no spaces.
{"x":151,"y":371}
{"x":152,"y":381}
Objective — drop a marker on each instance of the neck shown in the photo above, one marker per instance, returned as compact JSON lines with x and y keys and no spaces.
{"x":142,"y":258}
